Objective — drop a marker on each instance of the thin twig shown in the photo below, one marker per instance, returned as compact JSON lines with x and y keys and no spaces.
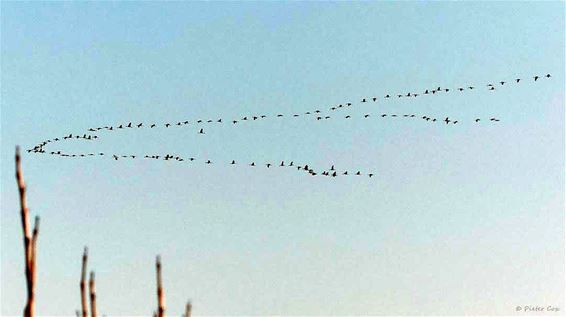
{"x":188,"y":309}
{"x":29,"y":239}
{"x":84,"y":304}
{"x":160,"y":295}
{"x":92,"y":295}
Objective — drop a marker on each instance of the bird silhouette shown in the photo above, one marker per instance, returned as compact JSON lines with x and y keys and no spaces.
{"x":518,"y":80}
{"x":115,"y":157}
{"x":208,"y":162}
{"x":167,"y":125}
{"x":536,"y":78}
{"x":152,"y":126}
{"x":366,"y":115}
{"x":140,"y":125}
{"x":364,"y":100}
{"x":201,"y":131}
{"x":502,"y":83}
{"x":387,"y":96}
{"x":345,"y":173}
{"x":358,"y":173}
{"x":447,"y":120}
{"x":370,"y":174}
{"x":478,"y":120}
{"x":129,"y":125}
{"x":235,"y":121}
{"x":233,"y":162}
{"x":547,"y":76}
{"x":252,"y":164}
{"x":268,"y":165}
{"x":282,"y":163}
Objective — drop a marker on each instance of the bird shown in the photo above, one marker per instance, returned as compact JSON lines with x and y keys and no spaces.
{"x":492,"y":88}
{"x":120,"y":127}
{"x":370,"y":174}
{"x":447,"y":90}
{"x":279,"y":115}
{"x":140,"y":125}
{"x":152,"y":126}
{"x":268,"y":165}
{"x":547,"y":76}
{"x":347,"y":117}
{"x":199,"y":121}
{"x":318,"y":118}
{"x":233,"y":162}
{"x":366,"y":115}
{"x":399,"y":96}
{"x":252,"y":164}
{"x":358,"y":173}
{"x":478,"y":120}
{"x":502,"y":83}
{"x":219,"y":120}
{"x":387,"y":96}
{"x":518,"y":80}
{"x":364,"y":100}
{"x":295,"y":115}
{"x":129,"y":125}
{"x":374,"y":99}
{"x":115,"y":157}
{"x":235,"y":121}
{"x":282,"y":163}
{"x":245,"y":118}
{"x":291,"y":164}
{"x":345,"y":173}
{"x":455,"y":121}
{"x":426,"y":92}
{"x":334,"y":174}
{"x":208,"y":162}
{"x":209,"y":120}
{"x":471,"y":87}
{"x":201,"y":131}
{"x":185,"y":122}
{"x":167,"y":125}
{"x":446,"y":120}
{"x":383,"y":115}
{"x":536,"y":77}
{"x":332,"y":168}
{"x":461,"y":89}
{"x":349,"y":104}
{"x":306,"y":168}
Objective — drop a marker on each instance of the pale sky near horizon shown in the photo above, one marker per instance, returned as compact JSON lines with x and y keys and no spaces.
{"x":459,"y":219}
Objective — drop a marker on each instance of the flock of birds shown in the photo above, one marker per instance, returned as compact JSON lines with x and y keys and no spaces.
{"x":316,"y":114}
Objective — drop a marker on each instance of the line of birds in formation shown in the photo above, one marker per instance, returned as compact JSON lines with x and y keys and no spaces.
{"x":39,"y":147}
{"x":316,"y":114}
{"x":332,"y":172}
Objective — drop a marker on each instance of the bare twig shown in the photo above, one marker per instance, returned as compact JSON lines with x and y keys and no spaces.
{"x":84,"y":311}
{"x":30,"y":239}
{"x":92,"y":295}
{"x":188,"y":309}
{"x":160,"y":295}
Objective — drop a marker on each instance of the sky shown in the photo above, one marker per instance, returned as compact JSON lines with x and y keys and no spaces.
{"x":464,"y":218}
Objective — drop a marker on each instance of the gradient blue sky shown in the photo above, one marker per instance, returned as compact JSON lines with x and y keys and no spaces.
{"x":464,"y":219}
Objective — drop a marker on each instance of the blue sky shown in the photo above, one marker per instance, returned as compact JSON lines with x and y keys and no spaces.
{"x":459,"y":219}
